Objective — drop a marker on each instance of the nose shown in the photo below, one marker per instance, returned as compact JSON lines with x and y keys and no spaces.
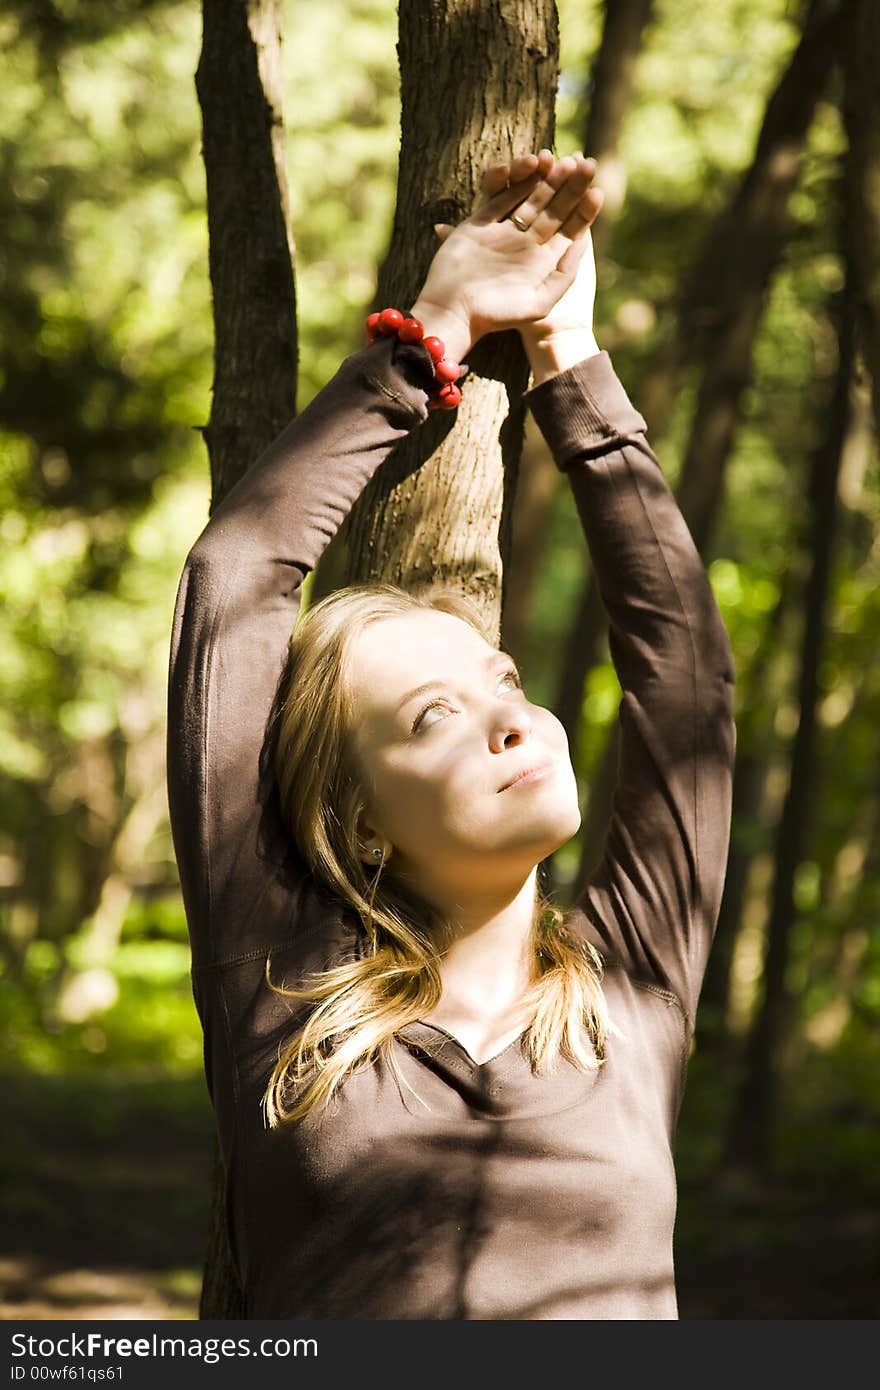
{"x":513,"y":724}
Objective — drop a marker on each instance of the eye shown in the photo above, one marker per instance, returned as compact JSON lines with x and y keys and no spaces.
{"x":509,"y":675}
{"x":435,"y":704}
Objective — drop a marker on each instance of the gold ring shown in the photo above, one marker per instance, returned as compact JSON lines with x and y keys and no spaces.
{"x":518,"y":222}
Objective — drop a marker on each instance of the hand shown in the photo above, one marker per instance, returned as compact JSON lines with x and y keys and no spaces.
{"x":573,"y":312}
{"x":489,"y":275}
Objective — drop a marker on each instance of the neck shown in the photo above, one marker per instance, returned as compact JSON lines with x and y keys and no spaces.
{"x":488,"y":963}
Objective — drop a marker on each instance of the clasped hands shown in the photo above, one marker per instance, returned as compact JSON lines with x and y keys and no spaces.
{"x":489,"y":274}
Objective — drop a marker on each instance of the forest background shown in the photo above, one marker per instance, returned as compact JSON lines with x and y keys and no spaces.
{"x":726,"y":300}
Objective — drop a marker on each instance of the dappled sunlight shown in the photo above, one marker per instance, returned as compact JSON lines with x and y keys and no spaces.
{"x":106,"y":371}
{"x":39,"y":1288}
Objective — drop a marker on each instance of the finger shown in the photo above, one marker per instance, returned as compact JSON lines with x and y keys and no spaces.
{"x":525,"y":173}
{"x":583,"y":214}
{"x":568,"y":263}
{"x":568,"y":194}
{"x":546,"y":191}
{"x":494,"y":179}
{"x":525,"y":164}
{"x":500,"y":176}
{"x":565,"y":273}
{"x":581,"y":239}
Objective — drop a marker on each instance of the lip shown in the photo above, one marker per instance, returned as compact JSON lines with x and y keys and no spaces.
{"x":528,"y":775}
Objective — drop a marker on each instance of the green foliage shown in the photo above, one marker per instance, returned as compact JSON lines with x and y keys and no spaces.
{"x":105,"y":377}
{"x":105,"y":310}
{"x":342,"y":143}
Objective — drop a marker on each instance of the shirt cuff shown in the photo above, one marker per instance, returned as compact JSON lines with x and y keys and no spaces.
{"x":583,"y":410}
{"x":403,"y":371}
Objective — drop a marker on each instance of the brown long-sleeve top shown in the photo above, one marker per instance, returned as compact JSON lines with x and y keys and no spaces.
{"x":515,"y":1196}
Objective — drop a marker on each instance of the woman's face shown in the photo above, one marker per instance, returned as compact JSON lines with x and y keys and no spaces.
{"x":437,"y":761}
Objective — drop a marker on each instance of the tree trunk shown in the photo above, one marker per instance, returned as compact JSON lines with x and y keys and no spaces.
{"x":722,"y":302}
{"x":613,"y":79}
{"x":329,"y":573}
{"x":251,"y":250}
{"x":537,"y":490}
{"x":754,"y":739}
{"x":862,"y":183}
{"x":492,"y":70}
{"x":749,"y":1134}
{"x":251,"y":255}
{"x":749,"y":235}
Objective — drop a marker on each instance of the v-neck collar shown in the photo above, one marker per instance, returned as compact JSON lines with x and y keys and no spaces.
{"x":425,"y":1033}
{"x":493,"y":1063}
{"x":504,"y":1088}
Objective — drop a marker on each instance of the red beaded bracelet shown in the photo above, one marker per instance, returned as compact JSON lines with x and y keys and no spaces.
{"x":387,"y":322}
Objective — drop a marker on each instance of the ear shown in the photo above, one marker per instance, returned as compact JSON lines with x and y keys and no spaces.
{"x":374,"y":860}
{"x":369,"y":837}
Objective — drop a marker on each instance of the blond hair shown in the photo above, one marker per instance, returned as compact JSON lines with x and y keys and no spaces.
{"x":361,"y":1004}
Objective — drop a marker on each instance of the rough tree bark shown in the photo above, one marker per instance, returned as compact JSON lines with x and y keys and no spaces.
{"x":251,"y":248}
{"x":492,"y":70}
{"x":251,"y":254}
{"x":749,"y":1132}
{"x":720,"y":306}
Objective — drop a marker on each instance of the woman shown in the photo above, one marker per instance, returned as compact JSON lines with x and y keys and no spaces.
{"x":437,"y":1095}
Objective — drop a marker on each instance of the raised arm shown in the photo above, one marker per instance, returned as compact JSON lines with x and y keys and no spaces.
{"x":653,"y":901}
{"x":237,"y":605}
{"x":239,"y":593}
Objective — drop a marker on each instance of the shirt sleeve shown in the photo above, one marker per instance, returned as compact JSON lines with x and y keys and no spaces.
{"x":236,"y":608}
{"x":654,"y":899}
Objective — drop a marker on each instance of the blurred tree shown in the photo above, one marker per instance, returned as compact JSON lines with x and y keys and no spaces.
{"x":250,"y":237}
{"x":748,"y":1141}
{"x":611,"y":91}
{"x":719,"y":314}
{"x":862,"y":113}
{"x":611,"y":94}
{"x":756,"y":706}
{"x":56,"y":25}
{"x":255,"y":351}
{"x":95,"y":384}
